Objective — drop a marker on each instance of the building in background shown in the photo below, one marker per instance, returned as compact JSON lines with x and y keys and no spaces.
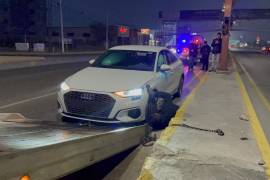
{"x":144,"y":36}
{"x":22,"y":21}
{"x":169,"y":22}
{"x":75,"y":37}
{"x":37,"y":21}
{"x":4,"y":22}
{"x":247,"y":25}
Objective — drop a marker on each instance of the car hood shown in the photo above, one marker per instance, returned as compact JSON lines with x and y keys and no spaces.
{"x":108,"y":80}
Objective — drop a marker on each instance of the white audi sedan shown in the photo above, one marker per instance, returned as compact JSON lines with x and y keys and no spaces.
{"x":113,"y":88}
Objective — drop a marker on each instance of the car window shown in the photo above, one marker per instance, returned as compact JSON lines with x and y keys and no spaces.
{"x":162,"y":59}
{"x":127,"y":59}
{"x":171,"y":58}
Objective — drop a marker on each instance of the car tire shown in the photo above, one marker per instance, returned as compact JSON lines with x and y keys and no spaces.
{"x":180,"y":87}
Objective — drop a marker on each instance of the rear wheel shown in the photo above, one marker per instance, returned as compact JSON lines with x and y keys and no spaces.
{"x":180,"y":87}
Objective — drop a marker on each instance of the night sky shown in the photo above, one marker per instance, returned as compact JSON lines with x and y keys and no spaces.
{"x":139,"y":12}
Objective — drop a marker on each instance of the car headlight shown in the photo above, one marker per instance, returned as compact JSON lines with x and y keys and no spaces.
{"x":64,"y":86}
{"x":130,"y":93}
{"x":173,"y":50}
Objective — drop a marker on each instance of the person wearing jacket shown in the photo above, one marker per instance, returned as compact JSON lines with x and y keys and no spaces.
{"x":216,"y":50}
{"x":205,"y":52}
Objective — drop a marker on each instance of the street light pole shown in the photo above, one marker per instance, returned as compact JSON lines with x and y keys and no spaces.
{"x":107,"y":32}
{"x":62,"y":26}
{"x":226,"y":35}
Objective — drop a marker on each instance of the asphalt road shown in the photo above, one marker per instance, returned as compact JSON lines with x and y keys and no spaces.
{"x":257,"y":66}
{"x":32,"y":92}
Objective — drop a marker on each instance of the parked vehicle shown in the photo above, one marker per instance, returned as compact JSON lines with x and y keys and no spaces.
{"x":266,"y":49}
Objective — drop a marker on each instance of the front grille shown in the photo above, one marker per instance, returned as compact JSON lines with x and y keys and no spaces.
{"x":89,"y":104}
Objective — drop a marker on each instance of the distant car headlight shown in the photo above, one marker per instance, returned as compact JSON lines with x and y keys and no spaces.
{"x":173,"y":50}
{"x":130,"y":93}
{"x":64,"y":86}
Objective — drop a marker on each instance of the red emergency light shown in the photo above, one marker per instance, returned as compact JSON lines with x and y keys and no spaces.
{"x":197,"y":40}
{"x":185,"y":52}
{"x":123,"y":29}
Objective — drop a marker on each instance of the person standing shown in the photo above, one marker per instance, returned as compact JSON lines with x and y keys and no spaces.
{"x":193,"y":53}
{"x":216,"y":50}
{"x":205,"y":52}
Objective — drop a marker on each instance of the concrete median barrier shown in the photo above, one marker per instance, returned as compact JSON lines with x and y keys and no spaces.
{"x":19,"y":59}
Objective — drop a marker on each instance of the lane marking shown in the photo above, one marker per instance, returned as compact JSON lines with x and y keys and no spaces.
{"x":12,"y":117}
{"x":145,"y":172}
{"x":193,"y":79}
{"x":178,"y":118}
{"x":166,"y":134}
{"x":187,"y":86}
{"x":256,"y":88}
{"x":255,"y":124}
{"x":27,"y":100}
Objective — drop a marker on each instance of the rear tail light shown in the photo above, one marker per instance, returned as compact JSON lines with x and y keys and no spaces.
{"x":185,"y":51}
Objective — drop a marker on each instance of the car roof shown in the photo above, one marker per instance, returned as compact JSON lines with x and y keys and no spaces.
{"x":139,"y":48}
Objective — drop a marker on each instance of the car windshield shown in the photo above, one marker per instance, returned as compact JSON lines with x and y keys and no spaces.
{"x":127,"y":59}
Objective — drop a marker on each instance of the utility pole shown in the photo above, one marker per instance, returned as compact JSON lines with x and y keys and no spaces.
{"x":62,"y":26}
{"x":25,"y":37}
{"x":226,"y":35}
{"x":107,"y":32}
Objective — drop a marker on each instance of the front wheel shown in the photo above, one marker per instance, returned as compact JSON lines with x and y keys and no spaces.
{"x":180,"y":88}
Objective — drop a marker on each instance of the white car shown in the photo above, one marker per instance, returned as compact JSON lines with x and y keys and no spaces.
{"x":113,"y":88}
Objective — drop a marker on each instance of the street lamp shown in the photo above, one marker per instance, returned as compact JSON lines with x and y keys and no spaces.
{"x":107,"y":32}
{"x":62,"y":26}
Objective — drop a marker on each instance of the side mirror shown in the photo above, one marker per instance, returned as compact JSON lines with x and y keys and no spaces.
{"x":92,"y":61}
{"x":165,"y":67}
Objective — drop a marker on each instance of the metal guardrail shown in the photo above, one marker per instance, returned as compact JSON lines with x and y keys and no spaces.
{"x":49,"y":151}
{"x":16,"y":53}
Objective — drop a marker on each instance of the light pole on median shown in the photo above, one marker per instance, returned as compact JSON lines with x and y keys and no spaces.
{"x":226,"y":34}
{"x":107,"y":32}
{"x":62,"y":26}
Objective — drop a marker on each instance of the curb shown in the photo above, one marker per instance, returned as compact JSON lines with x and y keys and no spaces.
{"x":179,"y":116}
{"x":170,"y":130}
{"x":42,"y":61}
{"x":255,"y":123}
{"x":50,"y":54}
{"x":38,"y":64}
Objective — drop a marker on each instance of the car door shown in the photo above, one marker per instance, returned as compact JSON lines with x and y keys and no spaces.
{"x":176,"y":71}
{"x":164,"y":78}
